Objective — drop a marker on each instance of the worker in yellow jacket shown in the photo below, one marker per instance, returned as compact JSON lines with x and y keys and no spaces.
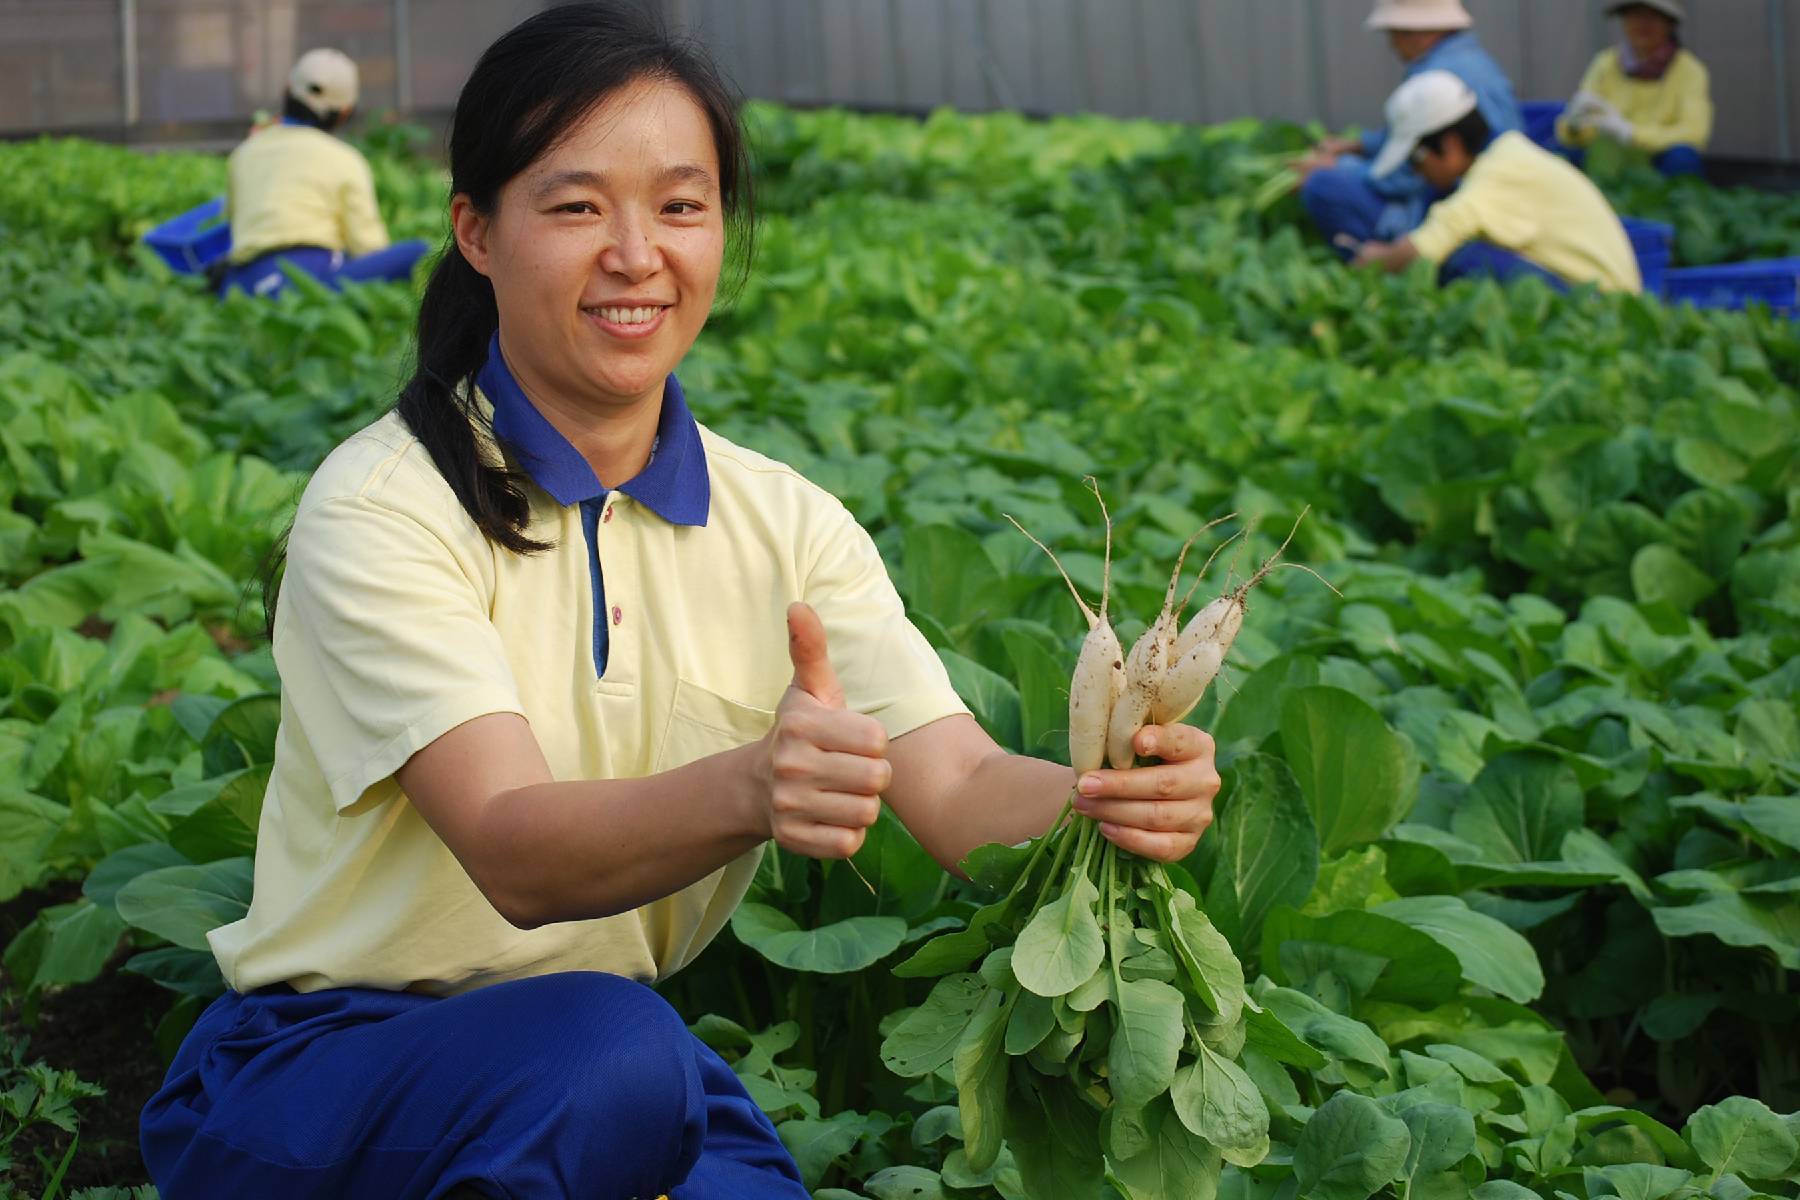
{"x":298,"y":194}
{"x":1649,"y":91}
{"x":1514,"y":208}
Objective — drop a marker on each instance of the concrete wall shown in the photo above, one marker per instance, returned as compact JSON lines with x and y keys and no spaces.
{"x":100,"y":63}
{"x":1210,"y":60}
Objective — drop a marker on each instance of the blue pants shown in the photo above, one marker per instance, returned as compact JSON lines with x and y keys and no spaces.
{"x":262,"y":276}
{"x":1676,"y":160}
{"x":1340,"y":200}
{"x":1484,"y":260}
{"x":568,"y":1085}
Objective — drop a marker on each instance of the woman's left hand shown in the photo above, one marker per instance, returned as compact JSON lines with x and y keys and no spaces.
{"x":1157,"y":811}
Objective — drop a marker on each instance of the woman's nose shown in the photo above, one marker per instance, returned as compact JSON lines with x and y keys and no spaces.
{"x":631,"y":251}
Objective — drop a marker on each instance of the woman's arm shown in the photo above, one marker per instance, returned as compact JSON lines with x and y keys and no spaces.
{"x":544,"y":851}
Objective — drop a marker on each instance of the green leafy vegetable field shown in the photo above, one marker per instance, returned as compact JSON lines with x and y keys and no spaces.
{"x":1504,"y":889}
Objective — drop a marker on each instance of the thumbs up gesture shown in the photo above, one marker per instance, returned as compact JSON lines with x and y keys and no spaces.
{"x":822,"y":768}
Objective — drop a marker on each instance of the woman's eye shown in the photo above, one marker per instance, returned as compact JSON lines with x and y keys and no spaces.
{"x":578,"y":206}
{"x":682,"y":208}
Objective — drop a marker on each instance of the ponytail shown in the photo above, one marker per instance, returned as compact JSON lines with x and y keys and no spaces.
{"x":457,"y":319}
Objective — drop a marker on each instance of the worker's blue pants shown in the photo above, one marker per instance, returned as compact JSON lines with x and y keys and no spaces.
{"x":1484,"y":260}
{"x":263,"y":277}
{"x":1676,"y":160}
{"x":568,"y":1085}
{"x":1341,"y":200}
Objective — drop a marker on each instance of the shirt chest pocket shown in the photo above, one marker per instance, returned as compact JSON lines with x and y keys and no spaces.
{"x":702,"y":722}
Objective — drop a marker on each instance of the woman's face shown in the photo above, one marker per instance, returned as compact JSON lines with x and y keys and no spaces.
{"x":1646,"y":30}
{"x":605,"y":252}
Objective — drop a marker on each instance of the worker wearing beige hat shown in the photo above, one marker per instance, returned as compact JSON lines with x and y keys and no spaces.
{"x":1649,"y":91}
{"x":297,"y":194}
{"x":1517,"y":209}
{"x":1342,"y":190}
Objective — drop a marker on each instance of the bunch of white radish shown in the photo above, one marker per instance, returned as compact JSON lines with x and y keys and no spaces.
{"x":1101,"y":1031}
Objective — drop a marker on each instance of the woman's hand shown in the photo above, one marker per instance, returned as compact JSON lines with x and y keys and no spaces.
{"x":821,"y":770}
{"x":1157,"y":811}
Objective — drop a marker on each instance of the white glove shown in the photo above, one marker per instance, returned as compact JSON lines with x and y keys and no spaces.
{"x":1615,"y":126}
{"x":1583,"y":104}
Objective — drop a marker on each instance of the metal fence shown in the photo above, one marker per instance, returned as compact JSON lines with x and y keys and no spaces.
{"x":142,"y":64}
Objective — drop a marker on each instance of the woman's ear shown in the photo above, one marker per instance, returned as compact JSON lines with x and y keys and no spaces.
{"x":470,"y":225}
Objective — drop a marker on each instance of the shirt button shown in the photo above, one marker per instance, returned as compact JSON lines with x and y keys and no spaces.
{"x":618,"y":615}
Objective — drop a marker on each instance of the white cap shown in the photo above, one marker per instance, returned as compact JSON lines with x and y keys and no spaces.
{"x":324,"y":80}
{"x":1419,"y":15}
{"x":1424,"y":104}
{"x":1668,"y":8}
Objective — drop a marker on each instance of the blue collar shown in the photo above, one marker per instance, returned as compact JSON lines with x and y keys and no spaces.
{"x":674,"y":484}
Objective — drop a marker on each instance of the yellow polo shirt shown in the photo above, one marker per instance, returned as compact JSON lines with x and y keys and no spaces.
{"x":398,"y":621}
{"x":293,"y":185}
{"x":1675,"y":110}
{"x":1527,"y":200}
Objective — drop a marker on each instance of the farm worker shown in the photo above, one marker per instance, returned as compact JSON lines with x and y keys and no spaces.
{"x":1517,"y":209}
{"x":297,"y":194}
{"x":1349,"y":189}
{"x":556,"y":663}
{"x":1649,"y":91}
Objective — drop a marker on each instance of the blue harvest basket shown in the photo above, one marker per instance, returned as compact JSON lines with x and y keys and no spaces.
{"x":1653,"y":242}
{"x":1539,"y":118}
{"x":194,"y":240}
{"x":1773,"y":281}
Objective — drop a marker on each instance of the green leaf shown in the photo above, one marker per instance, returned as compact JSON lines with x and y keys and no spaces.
{"x":1255,"y":711}
{"x":1660,"y":575}
{"x":926,"y":1038}
{"x":945,"y":571}
{"x":1492,"y":955}
{"x":186,"y":972}
{"x":184,"y":904}
{"x":1349,"y":1150}
{"x":1266,"y":848}
{"x":1356,"y":773}
{"x":1146,"y":1041}
{"x":1520,"y":808}
{"x":1211,"y":965}
{"x":1055,"y":1138}
{"x":1216,"y":1100}
{"x":1401,"y":963}
{"x":1061,"y":946}
{"x":1033,"y":1017}
{"x":981,"y":1066}
{"x":1772,"y":923}
{"x":122,"y":866}
{"x":816,"y":1143}
{"x":990,"y":696}
{"x":1043,"y":680}
{"x":225,"y":826}
{"x":1176,"y":1163}
{"x":1742,"y":1136}
{"x":903,"y":1183}
{"x":28,"y":825}
{"x":81,"y":937}
{"x":1442,"y":1137}
{"x":834,"y":949}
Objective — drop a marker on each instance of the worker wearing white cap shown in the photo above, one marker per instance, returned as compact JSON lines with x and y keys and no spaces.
{"x":1342,"y":190}
{"x":1517,"y":209}
{"x":296,"y":194}
{"x":1649,"y":91}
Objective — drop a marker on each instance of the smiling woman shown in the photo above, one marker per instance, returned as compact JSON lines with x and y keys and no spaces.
{"x":539,"y":717}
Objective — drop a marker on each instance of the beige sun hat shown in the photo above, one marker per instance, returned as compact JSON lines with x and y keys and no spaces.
{"x":1424,"y":104}
{"x":1419,"y":15}
{"x":1669,"y":8}
{"x":324,"y":80}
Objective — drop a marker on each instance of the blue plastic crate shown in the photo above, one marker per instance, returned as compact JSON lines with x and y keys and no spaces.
{"x":192,"y":241}
{"x":1539,"y":118}
{"x":1653,"y":242}
{"x":1771,"y":281}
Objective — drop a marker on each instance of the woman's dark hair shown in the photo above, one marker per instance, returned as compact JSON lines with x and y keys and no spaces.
{"x":528,"y":90}
{"x":294,"y":109}
{"x":1473,"y":130}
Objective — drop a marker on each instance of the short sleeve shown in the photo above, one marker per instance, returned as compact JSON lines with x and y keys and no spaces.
{"x":383,"y":640}
{"x":888,"y":669}
{"x":1495,"y":204}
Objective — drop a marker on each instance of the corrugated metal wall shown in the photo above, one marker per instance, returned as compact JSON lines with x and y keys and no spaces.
{"x":1209,"y":60}
{"x":65,"y":63}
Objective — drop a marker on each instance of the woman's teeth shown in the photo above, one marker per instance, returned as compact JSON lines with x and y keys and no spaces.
{"x":626,"y":316}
